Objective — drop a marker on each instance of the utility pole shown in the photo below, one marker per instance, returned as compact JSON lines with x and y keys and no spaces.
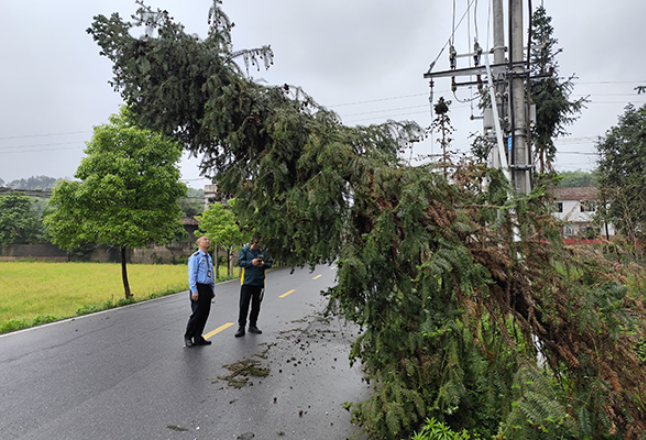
{"x":520,"y":162}
{"x":509,"y":78}
{"x":498,"y":32}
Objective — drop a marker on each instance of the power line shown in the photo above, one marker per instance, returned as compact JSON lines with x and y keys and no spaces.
{"x":44,"y":134}
{"x":39,"y":145}
{"x":577,"y":152}
{"x":38,"y":151}
{"x":382,"y":99}
{"x":641,"y":81}
{"x":387,"y":110}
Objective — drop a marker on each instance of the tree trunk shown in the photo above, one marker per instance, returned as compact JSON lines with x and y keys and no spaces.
{"x":217,"y":261}
{"x":230,"y":260}
{"x":124,"y":273}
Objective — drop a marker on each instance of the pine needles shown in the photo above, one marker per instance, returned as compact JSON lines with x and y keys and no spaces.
{"x":463,"y":322}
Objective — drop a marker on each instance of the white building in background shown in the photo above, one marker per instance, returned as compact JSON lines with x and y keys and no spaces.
{"x":210,"y":195}
{"x":576,"y":207}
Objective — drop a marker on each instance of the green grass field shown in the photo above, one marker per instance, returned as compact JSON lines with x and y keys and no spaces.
{"x":33,"y":293}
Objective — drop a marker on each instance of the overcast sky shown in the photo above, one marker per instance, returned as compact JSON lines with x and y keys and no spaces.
{"x":365,"y":59}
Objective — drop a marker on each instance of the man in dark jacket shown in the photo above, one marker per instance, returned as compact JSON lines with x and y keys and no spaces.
{"x":253,"y":260}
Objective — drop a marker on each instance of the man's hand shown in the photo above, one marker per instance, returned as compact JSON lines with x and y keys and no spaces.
{"x":257,"y":262}
{"x":194,"y":296}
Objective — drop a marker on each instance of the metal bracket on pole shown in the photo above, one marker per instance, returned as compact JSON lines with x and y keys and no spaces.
{"x":473,"y":71}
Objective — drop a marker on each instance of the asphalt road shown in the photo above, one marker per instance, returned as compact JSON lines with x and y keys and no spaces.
{"x":125,"y":373}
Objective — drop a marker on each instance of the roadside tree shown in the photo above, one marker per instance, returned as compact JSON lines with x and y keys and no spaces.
{"x":126,"y":195}
{"x":218,"y":223}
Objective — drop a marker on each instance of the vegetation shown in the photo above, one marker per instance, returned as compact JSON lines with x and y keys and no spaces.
{"x":554,"y":110}
{"x":622,"y":174}
{"x":19,"y":221}
{"x":480,"y":319}
{"x":34,"y":182}
{"x":219,"y":224}
{"x":35,"y":292}
{"x":193,"y":204}
{"x":127,"y":194}
{"x":578,"y":178}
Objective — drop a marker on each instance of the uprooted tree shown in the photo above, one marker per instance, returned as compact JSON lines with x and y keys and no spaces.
{"x":502,"y":337}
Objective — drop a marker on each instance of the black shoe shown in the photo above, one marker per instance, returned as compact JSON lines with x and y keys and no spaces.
{"x":202,"y":342}
{"x":240,"y":332}
{"x":188,"y":342}
{"x":254,"y":329}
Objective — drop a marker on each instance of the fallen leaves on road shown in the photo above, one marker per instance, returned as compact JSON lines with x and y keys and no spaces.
{"x":240,"y":372}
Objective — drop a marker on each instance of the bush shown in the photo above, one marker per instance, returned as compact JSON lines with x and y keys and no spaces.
{"x":434,"y":430}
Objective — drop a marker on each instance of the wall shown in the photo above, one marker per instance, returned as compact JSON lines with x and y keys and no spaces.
{"x":40,"y":252}
{"x":164,"y":254}
{"x":151,"y":254}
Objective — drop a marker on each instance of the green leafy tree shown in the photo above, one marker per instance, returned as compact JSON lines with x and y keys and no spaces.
{"x":578,"y":178}
{"x":126,"y":195}
{"x":218,"y":223}
{"x":551,"y":94}
{"x":428,"y":265}
{"x":622,"y":173}
{"x":19,"y":222}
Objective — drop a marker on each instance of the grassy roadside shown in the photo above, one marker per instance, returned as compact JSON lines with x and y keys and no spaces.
{"x":33,"y":293}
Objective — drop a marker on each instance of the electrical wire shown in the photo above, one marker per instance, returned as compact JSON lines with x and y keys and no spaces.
{"x":449,"y":40}
{"x":377,"y":100}
{"x":453,"y":26}
{"x":42,"y":135}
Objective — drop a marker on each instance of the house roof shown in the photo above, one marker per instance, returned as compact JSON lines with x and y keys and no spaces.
{"x":189,"y":221}
{"x":576,"y":193}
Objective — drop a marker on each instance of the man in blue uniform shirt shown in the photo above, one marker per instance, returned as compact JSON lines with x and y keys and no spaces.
{"x":201,"y":282}
{"x":253,"y":260}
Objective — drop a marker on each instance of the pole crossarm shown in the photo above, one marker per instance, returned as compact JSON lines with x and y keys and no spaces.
{"x":471,"y":71}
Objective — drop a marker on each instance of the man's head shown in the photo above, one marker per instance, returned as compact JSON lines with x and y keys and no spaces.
{"x":203,"y":243}
{"x":256,"y":242}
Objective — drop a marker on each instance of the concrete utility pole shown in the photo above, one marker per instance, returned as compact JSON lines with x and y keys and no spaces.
{"x":498,"y":32}
{"x":520,"y":163}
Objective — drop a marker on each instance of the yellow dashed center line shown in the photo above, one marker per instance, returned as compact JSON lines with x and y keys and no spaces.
{"x":229,"y":324}
{"x":287,"y":293}
{"x":218,"y":330}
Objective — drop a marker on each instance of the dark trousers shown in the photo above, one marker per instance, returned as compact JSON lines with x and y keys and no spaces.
{"x":249,"y":294}
{"x":201,"y":309}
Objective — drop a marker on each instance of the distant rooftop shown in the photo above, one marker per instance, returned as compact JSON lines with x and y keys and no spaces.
{"x":576,"y":193}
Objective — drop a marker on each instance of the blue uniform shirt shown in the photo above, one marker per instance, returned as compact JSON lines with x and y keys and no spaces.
{"x":200,"y":270}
